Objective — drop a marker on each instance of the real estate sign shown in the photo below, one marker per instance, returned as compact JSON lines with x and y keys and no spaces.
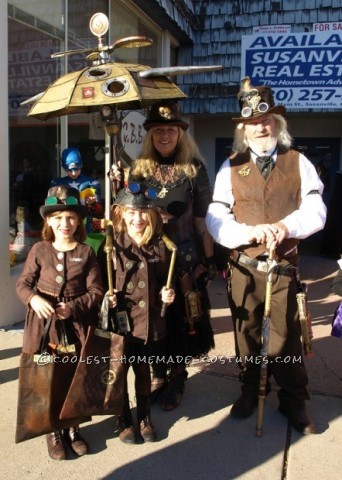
{"x":304,"y":70}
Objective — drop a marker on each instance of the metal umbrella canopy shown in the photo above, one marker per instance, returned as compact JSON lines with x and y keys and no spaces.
{"x":119,"y":85}
{"x":112,"y":84}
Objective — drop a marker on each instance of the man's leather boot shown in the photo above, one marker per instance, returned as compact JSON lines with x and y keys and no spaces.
{"x":245,"y":405}
{"x":295,"y":410}
{"x":56,"y":446}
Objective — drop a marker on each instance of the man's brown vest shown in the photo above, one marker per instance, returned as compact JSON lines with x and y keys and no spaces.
{"x":260,"y":201}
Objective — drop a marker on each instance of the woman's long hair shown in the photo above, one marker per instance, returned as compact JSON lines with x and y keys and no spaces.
{"x":284,"y":139}
{"x":47,"y":232}
{"x":185,"y":154}
{"x":154,"y":227}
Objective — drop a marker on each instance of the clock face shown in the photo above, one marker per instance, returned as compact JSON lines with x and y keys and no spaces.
{"x":106,"y":111}
{"x":99,"y":24}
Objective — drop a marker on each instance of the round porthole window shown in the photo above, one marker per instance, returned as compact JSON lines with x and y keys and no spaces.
{"x":115,"y":87}
{"x":97,"y":73}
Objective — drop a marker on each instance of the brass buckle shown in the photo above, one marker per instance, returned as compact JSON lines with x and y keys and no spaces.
{"x":66,"y":348}
{"x":262,"y":266}
{"x":102,"y":334}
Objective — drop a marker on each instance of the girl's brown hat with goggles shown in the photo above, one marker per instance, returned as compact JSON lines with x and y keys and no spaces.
{"x":136,"y":195}
{"x":60,"y":198}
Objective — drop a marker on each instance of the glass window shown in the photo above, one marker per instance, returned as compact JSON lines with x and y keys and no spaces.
{"x":85,"y":131}
{"x":34,"y":30}
{"x":126,"y":23}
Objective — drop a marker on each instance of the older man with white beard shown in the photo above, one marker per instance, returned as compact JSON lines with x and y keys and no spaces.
{"x":267,"y":197}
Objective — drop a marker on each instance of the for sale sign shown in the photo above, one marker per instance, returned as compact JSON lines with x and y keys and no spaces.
{"x":304,"y":70}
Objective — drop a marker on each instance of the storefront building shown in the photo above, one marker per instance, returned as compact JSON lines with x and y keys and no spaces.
{"x":184,"y":32}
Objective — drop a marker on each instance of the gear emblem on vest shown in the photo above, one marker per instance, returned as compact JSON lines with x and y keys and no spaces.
{"x":245,"y":171}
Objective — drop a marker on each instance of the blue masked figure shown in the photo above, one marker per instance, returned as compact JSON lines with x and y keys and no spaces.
{"x":71,"y":162}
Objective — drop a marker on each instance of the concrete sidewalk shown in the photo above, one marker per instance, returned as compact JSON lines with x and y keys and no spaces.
{"x":199,"y":439}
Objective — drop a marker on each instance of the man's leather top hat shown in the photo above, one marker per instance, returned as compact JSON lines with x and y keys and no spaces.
{"x":256,"y":101}
{"x":60,"y":198}
{"x":165,"y":113}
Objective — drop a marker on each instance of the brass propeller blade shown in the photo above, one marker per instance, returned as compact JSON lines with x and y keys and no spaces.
{"x":74,"y":52}
{"x":136,"y":41}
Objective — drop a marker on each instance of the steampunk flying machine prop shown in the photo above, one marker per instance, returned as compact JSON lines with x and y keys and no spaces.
{"x":106,"y":86}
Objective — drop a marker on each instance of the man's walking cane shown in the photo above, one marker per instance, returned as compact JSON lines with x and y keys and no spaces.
{"x":172,"y":247}
{"x":265,"y":333}
{"x":304,"y":317}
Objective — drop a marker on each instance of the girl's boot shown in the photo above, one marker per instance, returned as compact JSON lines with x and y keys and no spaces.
{"x":56,"y":447}
{"x":125,"y":423}
{"x":144,"y":420}
{"x":77,"y":443}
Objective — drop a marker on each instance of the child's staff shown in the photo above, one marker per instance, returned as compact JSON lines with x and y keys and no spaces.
{"x":172,"y":247}
{"x":108,"y":249}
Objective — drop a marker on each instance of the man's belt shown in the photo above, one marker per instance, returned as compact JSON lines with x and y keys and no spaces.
{"x":261,"y":266}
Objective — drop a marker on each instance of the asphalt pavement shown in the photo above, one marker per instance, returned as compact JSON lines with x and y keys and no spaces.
{"x":199,"y":440}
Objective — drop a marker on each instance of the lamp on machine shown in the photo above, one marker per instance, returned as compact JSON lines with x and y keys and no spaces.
{"x":109,"y":119}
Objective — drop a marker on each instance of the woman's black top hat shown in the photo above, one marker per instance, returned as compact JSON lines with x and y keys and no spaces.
{"x":165,"y":113}
{"x":256,"y":101}
{"x":60,"y":198}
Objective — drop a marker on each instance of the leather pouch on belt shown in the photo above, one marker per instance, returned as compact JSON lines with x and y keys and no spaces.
{"x":191,"y":298}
